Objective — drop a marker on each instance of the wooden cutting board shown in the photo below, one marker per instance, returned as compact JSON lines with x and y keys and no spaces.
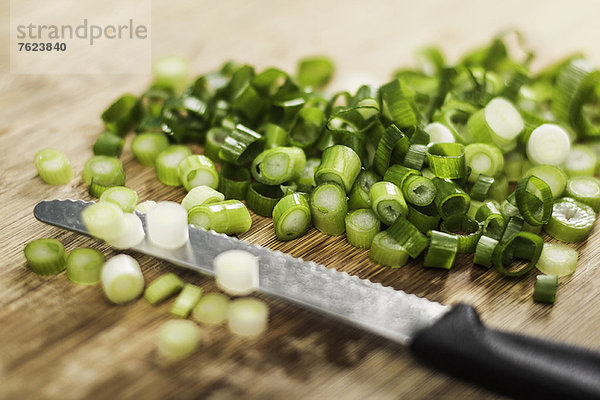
{"x":59,"y":340}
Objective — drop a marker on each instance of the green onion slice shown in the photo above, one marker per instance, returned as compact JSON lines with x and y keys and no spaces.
{"x":386,"y":145}
{"x":122,"y":115}
{"x":178,"y":339}
{"x":108,"y":144}
{"x":557,"y":259}
{"x":415,"y":156}
{"x":571,"y":220}
{"x":524,"y":205}
{"x":359,"y":195}
{"x":291,"y":216}
{"x":408,"y":236}
{"x":447,"y":160}
{"x":215,"y":138}
{"x":262,"y":199}
{"x":552,"y":176}
{"x":328,"y":205}
{"x":361,"y":227}
{"x":278,"y":165}
{"x":397,"y":174}
{"x":450,"y":198}
{"x":418,"y":190}
{"x":234,"y":181}
{"x":247,"y":316}
{"x":275,"y":136}
{"x":171,"y":72}
{"x":585,"y":189}
{"x":147,"y":146}
{"x":315,"y":71}
{"x":544,"y":289}
{"x":307,"y":127}
{"x":548,"y":144}
{"x":498,"y":123}
{"x":167,"y":225}
{"x":167,"y":164}
{"x":491,"y":218}
{"x":439,"y":133}
{"x":386,"y":251}
{"x":230,"y":217}
{"x":529,"y":247}
{"x":306,"y":180}
{"x":201,"y":195}
{"x":53,"y":166}
{"x":211,"y":309}
{"x":397,"y":105}
{"x":481,"y":187}
{"x":196,"y":170}
{"x":442,"y":250}
{"x":484,"y":251}
{"x":241,"y":146}
{"x":466,"y":230}
{"x":84,"y":266}
{"x":424,"y":219}
{"x":581,"y":161}
{"x":103,"y":220}
{"x":122,"y":196}
{"x":45,"y":256}
{"x":122,"y":279}
{"x":104,"y":170}
{"x":339,"y":164}
{"x":387,"y":202}
{"x":186,"y":301}
{"x":162,"y":288}
{"x":483,"y":158}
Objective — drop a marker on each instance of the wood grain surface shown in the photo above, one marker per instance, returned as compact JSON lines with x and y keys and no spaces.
{"x":59,"y":340}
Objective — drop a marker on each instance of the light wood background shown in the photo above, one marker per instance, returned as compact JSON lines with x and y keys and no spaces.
{"x":59,"y":340}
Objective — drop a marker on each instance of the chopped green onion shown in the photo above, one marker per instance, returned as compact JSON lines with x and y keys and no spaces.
{"x":484,"y":251}
{"x":291,"y":216}
{"x":552,"y":175}
{"x":492,"y":220}
{"x":548,"y":144}
{"x":466,"y":230}
{"x":424,"y":218}
{"x":178,"y":339}
{"x":585,"y":189}
{"x":386,"y":145}
{"x":439,"y":133}
{"x":84,"y":266}
{"x":45,"y":256}
{"x":397,"y":105}
{"x":306,"y":180}
{"x":557,"y":259}
{"x":103,"y":170}
{"x":230,"y":217}
{"x":162,"y":288}
{"x":544,"y":290}
{"x":122,"y":279}
{"x":397,"y":174}
{"x":167,"y":225}
{"x":359,"y":195}
{"x":530,"y":246}
{"x":450,"y":199}
{"x":386,"y":251}
{"x":483,"y":159}
{"x":415,"y":156}
{"x":447,"y":160}
{"x":515,"y":164}
{"x":211,"y":309}
{"x":408,"y":236}
{"x":442,"y":250}
{"x":171,"y":72}
{"x":581,"y":161}
{"x":473,"y":208}
{"x":145,"y":206}
{"x":236,"y":272}
{"x":315,"y":71}
{"x":361,"y":227}
{"x":247,"y":316}
{"x":53,"y":166}
{"x":201,"y":195}
{"x":275,"y":136}
{"x":328,"y":205}
{"x":499,"y":123}
{"x":278,"y":165}
{"x":131,"y":235}
{"x":387,"y":202}
{"x":167,"y":164}
{"x":499,"y":189}
{"x":215,"y":138}
{"x":103,"y":220}
{"x":571,"y":220}
{"x":234,"y":181}
{"x":339,"y":164}
{"x":481,"y":187}
{"x":418,"y":190}
{"x":524,"y":205}
{"x":108,"y":144}
{"x":123,"y":114}
{"x":188,"y":298}
{"x":196,"y":170}
{"x":262,"y":199}
{"x":241,"y":146}
{"x":122,"y":196}
{"x":307,"y":127}
{"x":147,"y":146}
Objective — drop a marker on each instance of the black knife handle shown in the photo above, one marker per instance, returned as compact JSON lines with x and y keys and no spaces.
{"x":518,"y":366}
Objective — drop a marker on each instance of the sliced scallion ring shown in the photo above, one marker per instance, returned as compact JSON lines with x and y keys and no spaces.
{"x":387,"y":202}
{"x":386,"y":251}
{"x":122,"y":279}
{"x":131,"y":235}
{"x":585,"y":189}
{"x":162,"y":288}
{"x":230,"y":217}
{"x":188,"y":298}
{"x":424,"y":219}
{"x":167,"y":225}
{"x":571,"y":220}
{"x":439,"y":133}
{"x":328,"y":205}
{"x":196,"y":170}
{"x":291,"y":216}
{"x":201,"y":195}
{"x":53,"y":166}
{"x":84,"y":266}
{"x":147,"y":146}
{"x":234,"y":181}
{"x":408,"y":236}
{"x":262,"y":198}
{"x":211,"y":309}
{"x":241,"y":146}
{"x":122,"y":196}
{"x":418,"y":190}
{"x":466,"y":230}
{"x":361,"y":227}
{"x":178,"y":339}
{"x":557,"y":259}
{"x":45,"y":256}
{"x":581,"y":161}
{"x":499,"y":123}
{"x":447,"y":160}
{"x":548,"y":144}
{"x":215,"y":138}
{"x":484,"y":159}
{"x":247,"y":316}
{"x":450,"y":198}
{"x":544,"y":290}
{"x":339,"y":164}
{"x":108,"y":144}
{"x":529,"y":245}
{"x":523,"y":204}
{"x":552,"y":175}
{"x":442,"y":250}
{"x":484,"y":251}
{"x":103,"y":219}
{"x":359,"y":195}
{"x":278,"y":165}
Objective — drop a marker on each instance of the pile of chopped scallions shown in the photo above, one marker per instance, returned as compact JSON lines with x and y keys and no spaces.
{"x":474,"y":157}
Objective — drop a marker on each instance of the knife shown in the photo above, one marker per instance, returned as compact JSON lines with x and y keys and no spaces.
{"x":451,"y":339}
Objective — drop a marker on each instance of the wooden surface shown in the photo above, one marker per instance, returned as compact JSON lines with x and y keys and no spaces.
{"x":59,"y":340}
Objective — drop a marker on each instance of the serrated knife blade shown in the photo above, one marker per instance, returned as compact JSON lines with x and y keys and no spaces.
{"x":451,"y":339}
